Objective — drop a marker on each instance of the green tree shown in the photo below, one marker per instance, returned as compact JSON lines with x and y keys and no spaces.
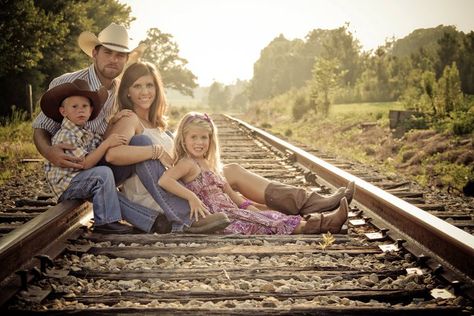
{"x":164,"y":53}
{"x":341,"y":45}
{"x":239,"y":101}
{"x":79,"y":16}
{"x":428,"y":84}
{"x":216,"y":97}
{"x":25,"y":33}
{"x":449,"y":96}
{"x":466,"y":64}
{"x":448,"y":51}
{"x":278,"y":69}
{"x":426,"y":39}
{"x":384,"y":77}
{"x":285,"y":64}
{"x":327,"y":75}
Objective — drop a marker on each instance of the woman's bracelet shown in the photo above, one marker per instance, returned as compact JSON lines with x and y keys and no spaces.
{"x":156,"y":152}
{"x":245,"y":204}
{"x":161,"y":153}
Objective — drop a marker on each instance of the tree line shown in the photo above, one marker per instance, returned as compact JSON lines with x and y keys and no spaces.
{"x":378,"y":75}
{"x":430,"y":70}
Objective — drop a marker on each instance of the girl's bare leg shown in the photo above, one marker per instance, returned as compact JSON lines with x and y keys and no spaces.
{"x":249,"y":184}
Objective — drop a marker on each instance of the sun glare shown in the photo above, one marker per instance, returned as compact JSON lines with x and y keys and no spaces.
{"x":222,"y":39}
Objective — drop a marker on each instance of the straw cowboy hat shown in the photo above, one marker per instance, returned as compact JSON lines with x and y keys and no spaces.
{"x":52,"y":99}
{"x":114,"y":37}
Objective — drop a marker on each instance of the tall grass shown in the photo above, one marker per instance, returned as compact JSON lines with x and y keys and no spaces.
{"x":15,"y":144}
{"x":370,"y":110}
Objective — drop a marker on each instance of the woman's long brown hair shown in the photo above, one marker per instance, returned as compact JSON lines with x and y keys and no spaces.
{"x":156,"y":116}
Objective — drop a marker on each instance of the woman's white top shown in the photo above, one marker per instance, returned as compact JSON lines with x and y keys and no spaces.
{"x":132,"y":188}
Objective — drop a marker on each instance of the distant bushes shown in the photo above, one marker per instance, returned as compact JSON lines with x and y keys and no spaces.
{"x":300,"y":107}
{"x":463,"y":123}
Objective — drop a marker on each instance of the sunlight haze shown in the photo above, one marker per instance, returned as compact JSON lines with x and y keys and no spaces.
{"x":222,"y":39}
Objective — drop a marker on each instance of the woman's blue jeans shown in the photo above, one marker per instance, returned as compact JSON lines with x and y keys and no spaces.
{"x":149,"y":172}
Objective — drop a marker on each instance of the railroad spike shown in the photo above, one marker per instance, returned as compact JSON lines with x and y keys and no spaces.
{"x":456,"y":285}
{"x":422,"y":259}
{"x":23,"y":278}
{"x":45,"y":262}
{"x":400,"y":242}
{"x":367,"y":219}
{"x":310,"y":177}
{"x":291,"y":156}
{"x":355,"y":212}
{"x":438,"y":270}
{"x":37,"y":274}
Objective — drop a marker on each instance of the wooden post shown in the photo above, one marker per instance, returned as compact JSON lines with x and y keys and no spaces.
{"x":29,"y":100}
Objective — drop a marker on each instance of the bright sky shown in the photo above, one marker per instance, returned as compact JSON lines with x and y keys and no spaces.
{"x":222,"y":39}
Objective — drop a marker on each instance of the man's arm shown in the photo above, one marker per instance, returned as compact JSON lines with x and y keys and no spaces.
{"x":55,"y":153}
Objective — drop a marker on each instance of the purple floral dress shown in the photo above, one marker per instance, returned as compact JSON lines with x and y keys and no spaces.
{"x":208,"y":186}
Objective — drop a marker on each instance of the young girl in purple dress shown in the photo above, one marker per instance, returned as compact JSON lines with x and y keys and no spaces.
{"x":197,"y":164}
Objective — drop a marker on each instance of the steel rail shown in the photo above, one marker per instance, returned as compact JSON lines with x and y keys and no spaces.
{"x":39,"y":236}
{"x":448,"y":243}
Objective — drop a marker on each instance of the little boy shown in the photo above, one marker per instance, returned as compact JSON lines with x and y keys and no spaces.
{"x":73,"y":104}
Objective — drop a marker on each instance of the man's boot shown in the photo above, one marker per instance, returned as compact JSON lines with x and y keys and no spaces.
{"x":327,"y":222}
{"x":292,"y":200}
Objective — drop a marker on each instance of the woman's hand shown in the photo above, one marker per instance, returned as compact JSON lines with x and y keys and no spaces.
{"x":166,"y":160}
{"x":197,"y":208}
{"x":114,"y":140}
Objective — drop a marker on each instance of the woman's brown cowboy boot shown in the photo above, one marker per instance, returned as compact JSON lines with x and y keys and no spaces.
{"x":332,"y":222}
{"x":292,"y":200}
{"x":350,"y":191}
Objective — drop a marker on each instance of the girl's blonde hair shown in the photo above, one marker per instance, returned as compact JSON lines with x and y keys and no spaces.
{"x":156,"y":116}
{"x":196,"y":119}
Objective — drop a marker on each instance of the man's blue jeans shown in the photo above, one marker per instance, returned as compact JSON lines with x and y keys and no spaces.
{"x":149,"y":172}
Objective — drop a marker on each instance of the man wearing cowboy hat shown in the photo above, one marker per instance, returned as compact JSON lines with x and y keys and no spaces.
{"x":72,"y":104}
{"x":110,"y":52}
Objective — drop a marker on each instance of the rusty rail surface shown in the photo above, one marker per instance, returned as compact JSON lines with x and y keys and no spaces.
{"x":41,"y":235}
{"x":448,"y":243}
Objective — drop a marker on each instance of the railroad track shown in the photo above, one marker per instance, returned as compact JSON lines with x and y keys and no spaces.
{"x":394,"y":258}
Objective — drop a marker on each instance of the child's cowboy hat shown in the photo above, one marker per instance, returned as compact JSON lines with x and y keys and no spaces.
{"x":114,"y":37}
{"x":52,"y":99}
